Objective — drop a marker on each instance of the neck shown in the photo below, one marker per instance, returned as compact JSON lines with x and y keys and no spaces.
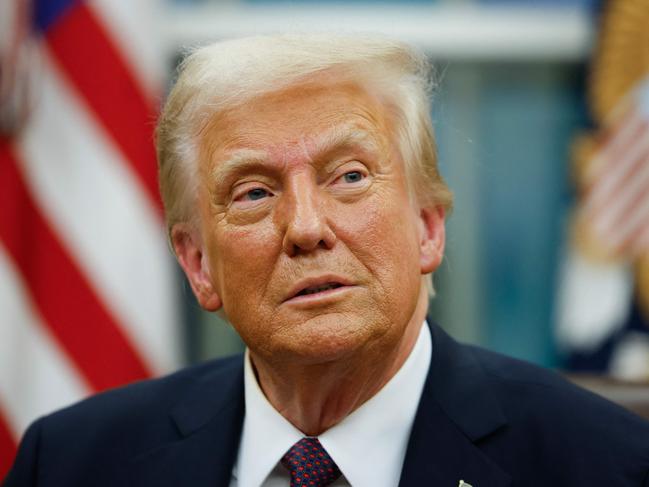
{"x":316,"y":397}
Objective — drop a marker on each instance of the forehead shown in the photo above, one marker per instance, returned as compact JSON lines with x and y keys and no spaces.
{"x":300,"y":121}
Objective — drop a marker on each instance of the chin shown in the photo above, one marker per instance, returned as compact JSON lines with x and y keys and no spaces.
{"x":324,"y":338}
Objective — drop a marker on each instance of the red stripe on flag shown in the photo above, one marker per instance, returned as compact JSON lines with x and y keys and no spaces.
{"x":611,"y":131}
{"x":601,"y":200}
{"x":637,"y":212}
{"x":95,"y":67}
{"x":632,"y":245}
{"x":7,"y":448}
{"x":615,"y":150}
{"x":74,"y":314}
{"x":639,"y":197}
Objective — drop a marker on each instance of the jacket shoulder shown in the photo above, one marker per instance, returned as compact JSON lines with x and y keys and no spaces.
{"x":143,"y":399}
{"x":578,"y":430}
{"x":94,"y":438}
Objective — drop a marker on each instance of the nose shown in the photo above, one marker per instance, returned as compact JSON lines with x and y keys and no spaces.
{"x":305,"y":218}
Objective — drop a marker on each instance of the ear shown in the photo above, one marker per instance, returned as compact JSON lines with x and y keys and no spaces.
{"x":432,"y":238}
{"x":188,"y":246}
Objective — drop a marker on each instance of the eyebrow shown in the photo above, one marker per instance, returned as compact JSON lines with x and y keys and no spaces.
{"x":331,"y":142}
{"x":239,"y":161}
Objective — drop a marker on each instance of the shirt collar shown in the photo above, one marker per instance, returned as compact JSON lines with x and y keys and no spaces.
{"x":380,"y":428}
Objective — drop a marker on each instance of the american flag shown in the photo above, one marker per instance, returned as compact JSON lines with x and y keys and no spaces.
{"x":87,"y":299}
{"x":616,"y":204}
{"x":597,"y":286}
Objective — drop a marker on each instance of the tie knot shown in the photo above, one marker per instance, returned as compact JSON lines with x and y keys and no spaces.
{"x":310,"y":464}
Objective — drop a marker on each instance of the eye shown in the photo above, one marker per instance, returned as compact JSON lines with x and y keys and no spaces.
{"x":252,"y":194}
{"x":352,"y":176}
{"x":256,"y":194}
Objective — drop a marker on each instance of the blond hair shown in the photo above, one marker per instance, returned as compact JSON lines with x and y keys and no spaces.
{"x":225,"y":74}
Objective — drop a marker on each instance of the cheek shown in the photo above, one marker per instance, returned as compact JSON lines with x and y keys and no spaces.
{"x":382,"y":234}
{"x":241,"y":258}
{"x":384,"y":225}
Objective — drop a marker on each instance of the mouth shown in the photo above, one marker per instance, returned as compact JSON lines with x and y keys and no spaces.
{"x":317,"y":289}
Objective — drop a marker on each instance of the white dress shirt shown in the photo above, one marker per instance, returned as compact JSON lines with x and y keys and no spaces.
{"x":368,"y":446}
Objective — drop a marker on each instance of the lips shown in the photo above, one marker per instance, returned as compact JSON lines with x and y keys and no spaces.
{"x":319,"y":289}
{"x":316,"y":286}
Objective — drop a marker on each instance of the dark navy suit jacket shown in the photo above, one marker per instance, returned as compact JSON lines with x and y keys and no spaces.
{"x":483,"y":418}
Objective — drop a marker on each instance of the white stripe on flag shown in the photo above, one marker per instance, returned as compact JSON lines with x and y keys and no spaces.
{"x":621,"y":136}
{"x":613,"y":217}
{"x":102,"y":216}
{"x":45,"y":379}
{"x":132,"y":26}
{"x":617,"y":164}
{"x":633,"y":222}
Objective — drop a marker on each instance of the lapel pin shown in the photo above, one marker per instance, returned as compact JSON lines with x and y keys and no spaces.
{"x":463,"y":484}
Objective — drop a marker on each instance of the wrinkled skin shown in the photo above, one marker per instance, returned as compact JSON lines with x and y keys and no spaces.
{"x":306,"y":186}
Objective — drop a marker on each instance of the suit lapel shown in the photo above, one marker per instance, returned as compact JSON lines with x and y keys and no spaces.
{"x":209,"y":420}
{"x":456,"y":410}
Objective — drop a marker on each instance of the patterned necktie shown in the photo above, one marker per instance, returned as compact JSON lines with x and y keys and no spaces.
{"x":310,"y":464}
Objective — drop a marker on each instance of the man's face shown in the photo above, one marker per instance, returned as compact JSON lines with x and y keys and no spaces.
{"x":308,"y":237}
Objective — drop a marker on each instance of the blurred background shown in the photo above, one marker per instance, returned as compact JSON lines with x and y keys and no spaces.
{"x":540,"y":111}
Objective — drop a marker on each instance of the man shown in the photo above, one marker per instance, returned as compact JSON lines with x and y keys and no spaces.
{"x":303,"y":200}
